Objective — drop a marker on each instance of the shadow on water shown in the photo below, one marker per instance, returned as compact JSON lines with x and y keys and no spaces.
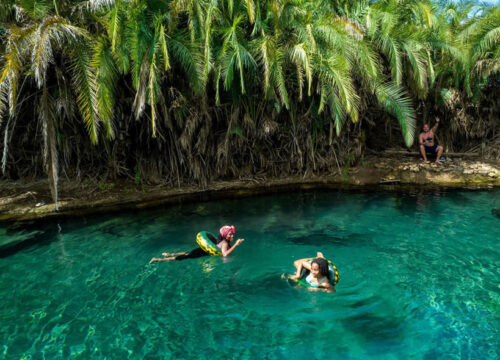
{"x":22,"y":236}
{"x":321,"y":239}
{"x":25,"y":235}
{"x":422,"y":201}
{"x":427,"y":201}
{"x":373,"y":327}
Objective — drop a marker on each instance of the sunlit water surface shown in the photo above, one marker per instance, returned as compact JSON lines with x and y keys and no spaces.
{"x":420,"y":279}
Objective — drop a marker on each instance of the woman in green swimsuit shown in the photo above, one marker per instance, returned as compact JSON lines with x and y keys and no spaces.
{"x":318,"y":272}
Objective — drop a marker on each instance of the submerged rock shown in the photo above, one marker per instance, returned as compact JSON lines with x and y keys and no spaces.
{"x":496,"y":212}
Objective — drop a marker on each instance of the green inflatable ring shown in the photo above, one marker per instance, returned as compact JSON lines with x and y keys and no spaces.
{"x":332,"y":269}
{"x":204,"y":240}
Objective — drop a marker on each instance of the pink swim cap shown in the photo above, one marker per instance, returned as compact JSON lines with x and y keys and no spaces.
{"x":226,"y":230}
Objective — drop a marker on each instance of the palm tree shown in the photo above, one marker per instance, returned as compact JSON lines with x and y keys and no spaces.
{"x":277,"y":77}
{"x":47,"y":45}
{"x":485,"y":45}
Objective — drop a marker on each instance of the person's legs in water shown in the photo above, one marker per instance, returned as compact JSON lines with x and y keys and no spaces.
{"x":193,"y":254}
{"x":165,"y":254}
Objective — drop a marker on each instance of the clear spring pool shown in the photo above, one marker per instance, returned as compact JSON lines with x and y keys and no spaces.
{"x":419,"y":279}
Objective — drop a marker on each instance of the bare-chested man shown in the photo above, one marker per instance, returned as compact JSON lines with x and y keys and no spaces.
{"x":427,"y":144}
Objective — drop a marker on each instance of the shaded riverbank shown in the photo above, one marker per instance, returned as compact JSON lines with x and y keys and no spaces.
{"x":31,"y":200}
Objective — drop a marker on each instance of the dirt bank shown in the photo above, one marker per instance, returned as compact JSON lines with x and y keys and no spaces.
{"x":24,"y":200}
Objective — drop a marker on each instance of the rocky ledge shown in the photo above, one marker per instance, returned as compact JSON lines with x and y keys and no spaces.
{"x":27,"y":201}
{"x":452,"y":172}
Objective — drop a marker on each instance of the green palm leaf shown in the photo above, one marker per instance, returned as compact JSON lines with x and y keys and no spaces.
{"x":488,"y":43}
{"x":300,"y":58}
{"x":106,"y":76}
{"x":417,"y":63}
{"x":278,"y":80}
{"x":394,"y":100}
{"x":187,"y":56}
{"x":85,"y":85}
{"x":9,"y":80}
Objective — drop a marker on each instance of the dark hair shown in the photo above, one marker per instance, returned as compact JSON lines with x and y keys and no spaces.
{"x":323,"y":267}
{"x":221,"y":239}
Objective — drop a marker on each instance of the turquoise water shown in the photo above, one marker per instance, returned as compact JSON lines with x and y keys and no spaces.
{"x":419,"y":279}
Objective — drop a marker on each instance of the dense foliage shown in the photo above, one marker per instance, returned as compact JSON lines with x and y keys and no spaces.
{"x":173,"y":90}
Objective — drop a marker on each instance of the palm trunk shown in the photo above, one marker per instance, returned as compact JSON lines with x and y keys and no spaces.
{"x":5,"y":146}
{"x":50,"y":142}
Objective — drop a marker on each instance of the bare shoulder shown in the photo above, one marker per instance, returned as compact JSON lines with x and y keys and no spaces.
{"x":223,"y":244}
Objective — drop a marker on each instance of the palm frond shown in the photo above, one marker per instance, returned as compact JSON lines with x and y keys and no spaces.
{"x":489,"y":42}
{"x":324,"y":94}
{"x":368,"y":63}
{"x":34,"y":9}
{"x":330,"y":36}
{"x":265,"y":61}
{"x":142,"y":87}
{"x":207,"y":51}
{"x":4,"y":95}
{"x":164,"y":50}
{"x":5,"y":143}
{"x":106,"y":75}
{"x":336,"y":73}
{"x":423,"y":12}
{"x":338,"y":112}
{"x":417,"y":63}
{"x":278,"y":80}
{"x":188,"y":58}
{"x":99,"y":5}
{"x":310,"y":36}
{"x":300,"y":58}
{"x":392,"y":49}
{"x":53,"y":30}
{"x":430,"y":67}
{"x":114,"y":22}
{"x":228,"y":66}
{"x":250,"y":10}
{"x":85,"y":85}
{"x":246,"y":62}
{"x":351,"y":27}
{"x":152,"y":91}
{"x":457,"y":53}
{"x":9,"y":78}
{"x":394,"y":100}
{"x":42,"y":55}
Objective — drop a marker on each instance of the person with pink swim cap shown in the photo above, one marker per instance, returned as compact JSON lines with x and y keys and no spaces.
{"x":223,"y":241}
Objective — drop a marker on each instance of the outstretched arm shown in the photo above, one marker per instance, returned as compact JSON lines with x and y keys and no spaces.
{"x":226,"y":251}
{"x":327,"y":286}
{"x":435,"y":127}
{"x":304,"y":264}
{"x":300,"y":265}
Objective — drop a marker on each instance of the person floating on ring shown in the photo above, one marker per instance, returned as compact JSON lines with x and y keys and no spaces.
{"x":317,"y":273}
{"x":223,"y":242}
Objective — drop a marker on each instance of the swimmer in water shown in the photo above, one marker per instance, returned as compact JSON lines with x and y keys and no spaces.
{"x":223,"y":242}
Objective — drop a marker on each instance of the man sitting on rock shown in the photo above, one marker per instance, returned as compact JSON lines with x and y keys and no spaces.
{"x":427,"y":144}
